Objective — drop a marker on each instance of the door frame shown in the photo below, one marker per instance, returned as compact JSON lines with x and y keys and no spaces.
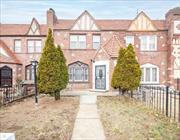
{"x":104,"y":76}
{"x":97,"y":63}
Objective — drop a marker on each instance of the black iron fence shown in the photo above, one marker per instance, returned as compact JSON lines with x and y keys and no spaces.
{"x":161,"y":98}
{"x":10,"y":94}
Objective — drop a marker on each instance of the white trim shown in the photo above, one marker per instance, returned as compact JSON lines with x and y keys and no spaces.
{"x":130,"y":36}
{"x":106,"y":63}
{"x":148,"y":43}
{"x":151,"y":66}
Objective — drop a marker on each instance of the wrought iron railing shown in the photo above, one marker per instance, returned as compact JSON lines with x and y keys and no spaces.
{"x":10,"y":94}
{"x":161,"y":98}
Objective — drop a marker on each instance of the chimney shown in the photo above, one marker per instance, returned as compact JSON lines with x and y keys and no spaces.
{"x":51,"y":18}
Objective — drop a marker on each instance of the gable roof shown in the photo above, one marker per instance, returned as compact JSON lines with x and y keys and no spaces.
{"x":34,"y":28}
{"x":107,"y":24}
{"x":21,"y":29}
{"x":142,"y":23}
{"x":83,"y":21}
{"x":12,"y":57}
{"x":111,"y":47}
{"x":67,"y":24}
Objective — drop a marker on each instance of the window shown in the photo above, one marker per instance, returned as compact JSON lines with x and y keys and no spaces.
{"x":78,"y":72}
{"x":129,"y":40}
{"x":17,"y":46}
{"x":148,"y":43}
{"x":30,"y":46}
{"x":34,"y":46}
{"x":29,"y":72}
{"x":77,"y":41}
{"x":6,"y":76}
{"x":38,"y":46}
{"x":150,"y":74}
{"x":96,"y":41}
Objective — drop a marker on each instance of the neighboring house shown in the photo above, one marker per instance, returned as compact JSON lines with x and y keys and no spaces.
{"x":91,"y":48}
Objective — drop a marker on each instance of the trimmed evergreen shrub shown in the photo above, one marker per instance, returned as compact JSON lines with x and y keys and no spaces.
{"x":127,"y":72}
{"x":52,"y":70}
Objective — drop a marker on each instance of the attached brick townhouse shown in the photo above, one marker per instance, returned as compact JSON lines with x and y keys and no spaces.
{"x":91,"y":48}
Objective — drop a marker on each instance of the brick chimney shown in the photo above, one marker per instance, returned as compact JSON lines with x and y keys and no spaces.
{"x":51,"y":18}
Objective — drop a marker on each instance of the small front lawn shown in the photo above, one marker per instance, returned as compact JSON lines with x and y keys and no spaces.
{"x":125,"y":119}
{"x":50,"y":120}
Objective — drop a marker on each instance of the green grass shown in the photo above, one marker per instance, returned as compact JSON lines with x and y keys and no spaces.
{"x":125,"y":119}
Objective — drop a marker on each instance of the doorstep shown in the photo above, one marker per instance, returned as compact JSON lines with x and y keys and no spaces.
{"x":98,"y":90}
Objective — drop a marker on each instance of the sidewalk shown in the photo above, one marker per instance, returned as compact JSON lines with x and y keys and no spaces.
{"x":88,"y":125}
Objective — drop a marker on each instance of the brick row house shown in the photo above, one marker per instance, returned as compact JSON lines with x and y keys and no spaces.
{"x":91,"y":48}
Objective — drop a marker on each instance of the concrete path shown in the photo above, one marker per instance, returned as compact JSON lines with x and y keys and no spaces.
{"x":88,"y":125}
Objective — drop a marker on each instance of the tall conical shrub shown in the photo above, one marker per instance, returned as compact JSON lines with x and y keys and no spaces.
{"x":127,"y":72}
{"x":50,"y":69}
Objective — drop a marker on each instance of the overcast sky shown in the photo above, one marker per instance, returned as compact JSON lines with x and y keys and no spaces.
{"x":22,"y":11}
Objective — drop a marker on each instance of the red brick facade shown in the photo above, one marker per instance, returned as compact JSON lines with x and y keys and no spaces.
{"x":112,"y":37}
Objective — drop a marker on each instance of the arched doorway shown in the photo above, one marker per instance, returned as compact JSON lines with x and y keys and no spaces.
{"x":5,"y":76}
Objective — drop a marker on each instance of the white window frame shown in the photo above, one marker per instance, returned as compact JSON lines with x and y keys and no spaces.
{"x":151,"y":66}
{"x":148,"y":43}
{"x":132,"y":40}
{"x":93,"y":41}
{"x":78,"y":46}
{"x":34,"y":42}
{"x":40,"y":46}
{"x":15,"y":46}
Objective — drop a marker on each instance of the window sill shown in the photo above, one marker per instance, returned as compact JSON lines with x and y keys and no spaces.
{"x":33,"y":52}
{"x":149,"y":83}
{"x":148,"y":50}
{"x":78,"y":82}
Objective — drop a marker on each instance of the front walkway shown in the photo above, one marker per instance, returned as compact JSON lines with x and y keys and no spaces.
{"x":88,"y":125}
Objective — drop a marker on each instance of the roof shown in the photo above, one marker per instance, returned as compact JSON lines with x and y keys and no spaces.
{"x":66,"y":24}
{"x":19,"y":29}
{"x":116,"y":24}
{"x":174,"y":11}
{"x":112,"y":46}
{"x":14,"y":59}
